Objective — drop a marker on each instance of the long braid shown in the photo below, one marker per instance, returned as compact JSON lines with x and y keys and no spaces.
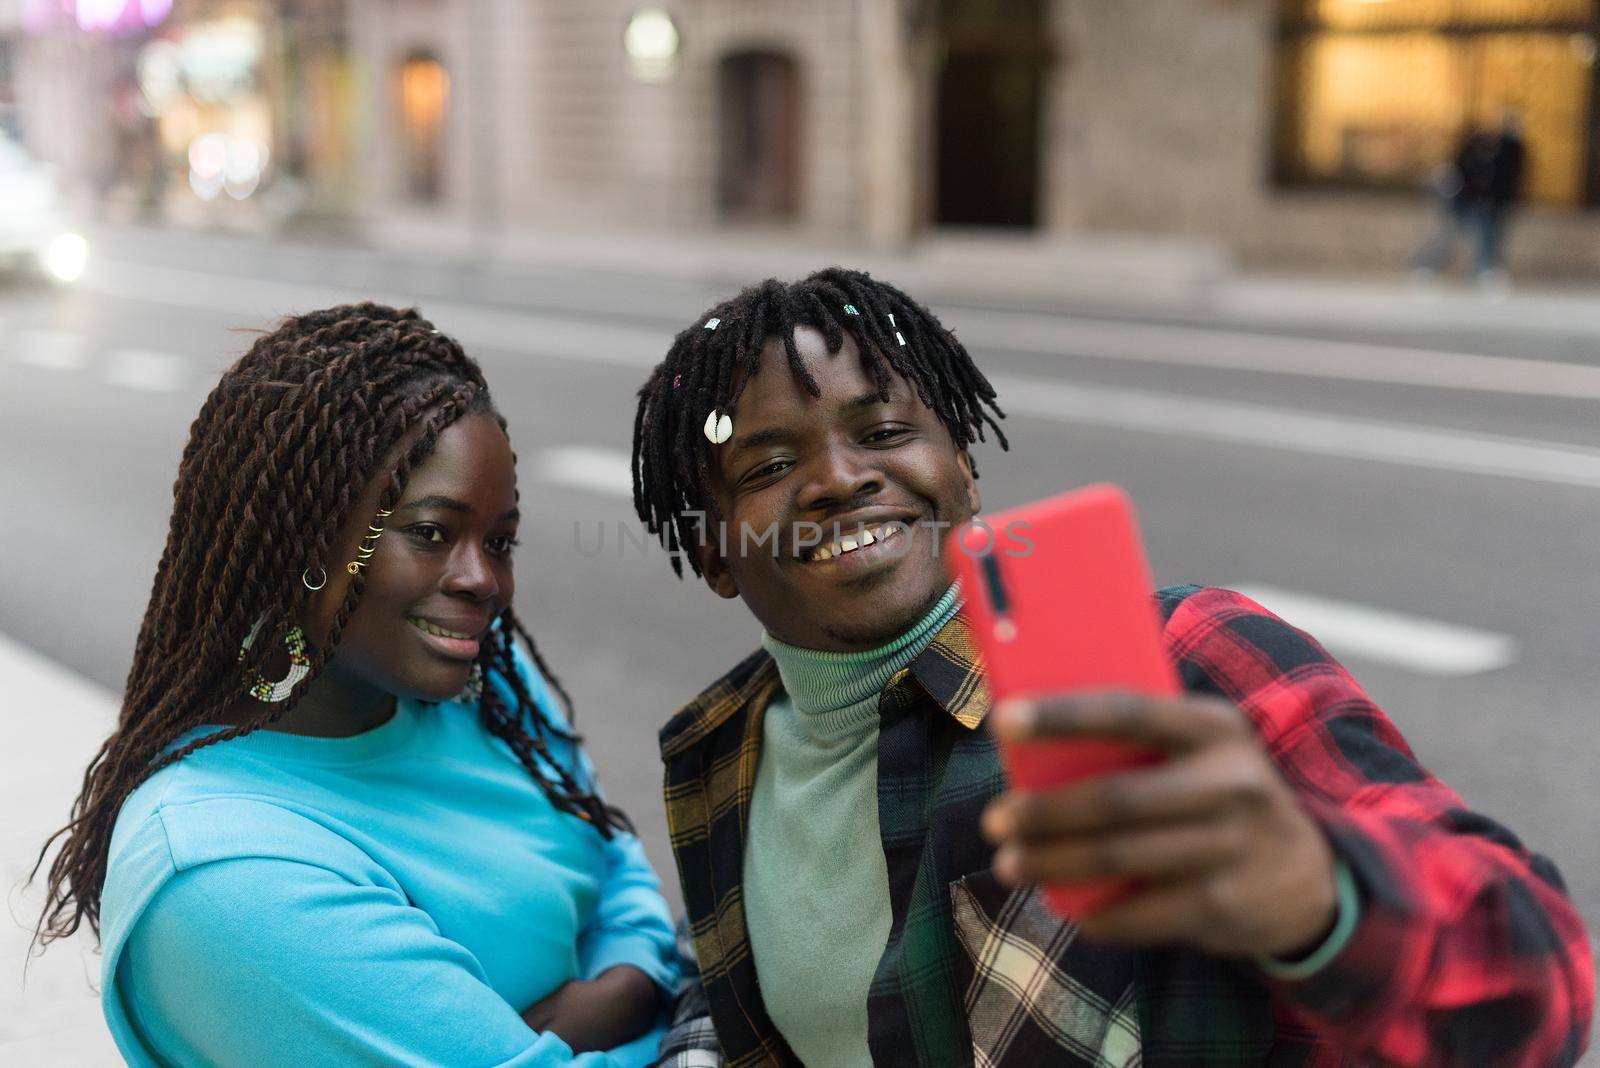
{"x":708,"y":369}
{"x":275,"y":463}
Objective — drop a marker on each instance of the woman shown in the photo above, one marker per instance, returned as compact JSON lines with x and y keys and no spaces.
{"x":341,"y":819}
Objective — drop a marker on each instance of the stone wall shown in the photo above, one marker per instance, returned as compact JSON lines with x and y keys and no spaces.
{"x":577,"y":141}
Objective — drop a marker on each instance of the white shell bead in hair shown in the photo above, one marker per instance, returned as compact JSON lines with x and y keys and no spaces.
{"x":719,"y":428}
{"x":712,"y":324}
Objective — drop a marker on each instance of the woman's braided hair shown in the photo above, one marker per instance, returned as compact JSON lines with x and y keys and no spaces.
{"x":707,"y":369}
{"x":278,"y":457}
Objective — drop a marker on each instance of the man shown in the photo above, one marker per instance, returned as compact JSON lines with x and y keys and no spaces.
{"x":1477,"y":193}
{"x":1493,"y":178}
{"x":857,"y":882}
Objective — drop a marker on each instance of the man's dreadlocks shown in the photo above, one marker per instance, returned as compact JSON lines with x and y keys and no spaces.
{"x":710,"y":363}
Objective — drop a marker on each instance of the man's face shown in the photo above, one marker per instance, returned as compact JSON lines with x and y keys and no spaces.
{"x":856,"y":467}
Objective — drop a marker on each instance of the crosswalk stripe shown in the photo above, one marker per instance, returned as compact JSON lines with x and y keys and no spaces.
{"x":1291,"y":430}
{"x":58,"y":350}
{"x":604,"y":471}
{"x":1426,"y":646}
{"x":152,"y":372}
{"x":1319,"y":358}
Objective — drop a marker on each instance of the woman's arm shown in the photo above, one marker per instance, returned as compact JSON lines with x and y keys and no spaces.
{"x":610,"y":1010}
{"x":259,"y":962}
{"x":631,"y":924}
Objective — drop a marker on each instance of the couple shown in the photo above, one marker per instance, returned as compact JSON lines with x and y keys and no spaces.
{"x":344,"y":818}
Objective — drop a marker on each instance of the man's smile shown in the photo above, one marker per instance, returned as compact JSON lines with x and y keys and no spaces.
{"x":856,"y":544}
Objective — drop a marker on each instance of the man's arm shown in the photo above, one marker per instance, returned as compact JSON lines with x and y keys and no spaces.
{"x":1464,"y":949}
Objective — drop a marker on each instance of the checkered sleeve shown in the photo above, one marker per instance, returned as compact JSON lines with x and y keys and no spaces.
{"x":1468,"y":951}
{"x":691,"y":1041}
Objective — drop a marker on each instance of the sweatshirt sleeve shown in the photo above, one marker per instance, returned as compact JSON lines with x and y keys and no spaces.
{"x":1467,"y":950}
{"x":632,"y":923}
{"x":261,"y":961}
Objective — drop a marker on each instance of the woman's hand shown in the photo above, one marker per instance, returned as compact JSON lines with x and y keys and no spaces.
{"x":602,"y":1013}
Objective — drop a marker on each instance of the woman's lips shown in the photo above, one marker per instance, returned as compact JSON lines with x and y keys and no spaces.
{"x":454,"y":644}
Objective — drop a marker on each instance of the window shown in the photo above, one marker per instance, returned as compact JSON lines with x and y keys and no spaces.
{"x":1378,"y":93}
{"x":424,"y":106}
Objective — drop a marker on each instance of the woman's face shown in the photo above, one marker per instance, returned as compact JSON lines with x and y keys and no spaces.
{"x":440,"y":574}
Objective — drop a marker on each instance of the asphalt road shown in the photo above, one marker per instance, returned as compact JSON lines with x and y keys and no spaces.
{"x":1447,"y":483}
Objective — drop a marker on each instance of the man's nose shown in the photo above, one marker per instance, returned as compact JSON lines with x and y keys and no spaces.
{"x":838,"y":474}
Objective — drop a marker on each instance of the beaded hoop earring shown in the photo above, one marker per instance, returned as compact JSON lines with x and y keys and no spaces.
{"x":299,"y":666}
{"x":472,"y":692}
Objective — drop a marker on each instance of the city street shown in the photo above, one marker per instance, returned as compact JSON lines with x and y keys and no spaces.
{"x":1424,"y":499}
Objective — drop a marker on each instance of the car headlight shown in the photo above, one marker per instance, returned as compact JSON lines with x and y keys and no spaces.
{"x":66,"y":257}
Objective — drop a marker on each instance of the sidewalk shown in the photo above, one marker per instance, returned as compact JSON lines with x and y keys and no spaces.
{"x":53,"y":722}
{"x":1106,"y":276}
{"x":1092,"y":274}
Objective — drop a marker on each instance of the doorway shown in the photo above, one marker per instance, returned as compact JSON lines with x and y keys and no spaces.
{"x":758,"y":174}
{"x":988,"y":105}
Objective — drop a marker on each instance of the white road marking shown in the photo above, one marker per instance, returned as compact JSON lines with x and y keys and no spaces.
{"x":154,"y":372}
{"x":1276,"y":354}
{"x":1427,"y":646}
{"x":58,"y":350}
{"x":1262,"y":426}
{"x":475,"y":326}
{"x":1298,"y":431}
{"x":605,"y":471}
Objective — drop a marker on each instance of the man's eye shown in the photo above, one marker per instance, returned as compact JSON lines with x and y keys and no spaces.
{"x":503,"y":545}
{"x":878,"y":437}
{"x":767,"y":469}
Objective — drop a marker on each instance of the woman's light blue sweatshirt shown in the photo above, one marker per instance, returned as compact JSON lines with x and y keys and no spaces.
{"x":396,"y":897}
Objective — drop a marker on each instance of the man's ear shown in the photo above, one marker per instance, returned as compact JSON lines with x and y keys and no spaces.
{"x":714,"y":569}
{"x":969,"y":482}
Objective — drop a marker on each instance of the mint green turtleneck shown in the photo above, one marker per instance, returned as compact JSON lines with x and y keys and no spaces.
{"x":816,"y":887}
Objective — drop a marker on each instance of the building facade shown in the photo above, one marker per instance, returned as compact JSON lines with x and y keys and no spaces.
{"x":1283,"y":132}
{"x":206,"y":112}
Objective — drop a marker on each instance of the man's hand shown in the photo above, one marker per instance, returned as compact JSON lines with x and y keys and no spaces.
{"x":602,"y":1013}
{"x":1226,"y":858}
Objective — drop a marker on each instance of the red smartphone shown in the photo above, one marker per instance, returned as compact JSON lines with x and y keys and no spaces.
{"x":1059,"y":595}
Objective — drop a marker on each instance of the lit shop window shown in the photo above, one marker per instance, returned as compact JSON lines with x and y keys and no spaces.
{"x":424,"y":105}
{"x":1379,"y":93}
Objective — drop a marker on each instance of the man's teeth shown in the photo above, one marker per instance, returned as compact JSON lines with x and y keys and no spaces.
{"x":433,"y":628}
{"x":850,"y":544}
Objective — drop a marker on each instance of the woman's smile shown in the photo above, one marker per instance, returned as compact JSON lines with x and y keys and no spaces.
{"x":458,"y":645}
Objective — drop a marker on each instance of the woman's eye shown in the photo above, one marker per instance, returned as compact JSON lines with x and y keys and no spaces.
{"x":428,"y":533}
{"x":503,"y":545}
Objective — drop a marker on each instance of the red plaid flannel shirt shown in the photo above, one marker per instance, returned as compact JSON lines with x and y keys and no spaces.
{"x":1468,"y":951}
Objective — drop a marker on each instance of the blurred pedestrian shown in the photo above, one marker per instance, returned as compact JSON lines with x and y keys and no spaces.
{"x":1476,"y":193}
{"x":343,"y":818}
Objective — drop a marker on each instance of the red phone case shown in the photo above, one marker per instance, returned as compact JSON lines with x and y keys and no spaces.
{"x":1075,"y":615}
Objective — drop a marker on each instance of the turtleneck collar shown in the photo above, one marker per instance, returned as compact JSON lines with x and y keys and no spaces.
{"x":836,"y":694}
